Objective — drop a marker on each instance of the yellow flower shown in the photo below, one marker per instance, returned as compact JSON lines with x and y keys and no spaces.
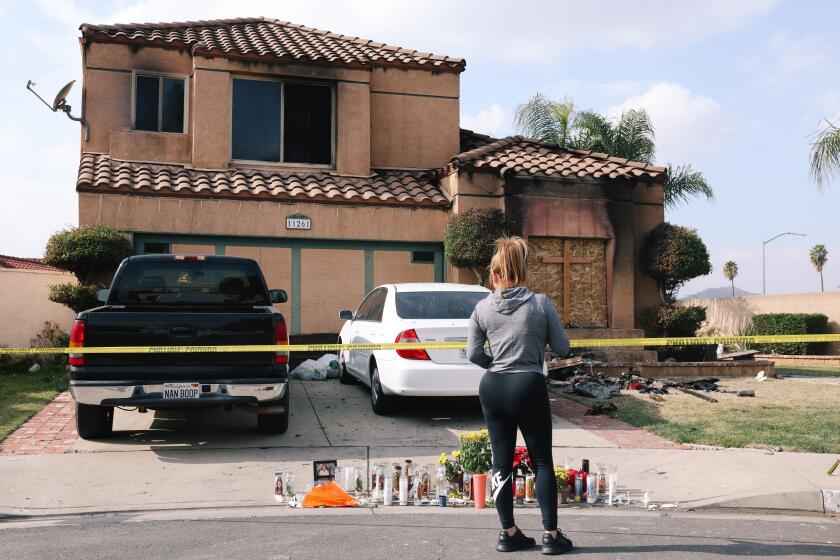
{"x":457,"y":453}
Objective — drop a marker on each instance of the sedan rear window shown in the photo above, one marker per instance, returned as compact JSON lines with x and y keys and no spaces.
{"x":437,"y":305}
{"x":183,"y":282}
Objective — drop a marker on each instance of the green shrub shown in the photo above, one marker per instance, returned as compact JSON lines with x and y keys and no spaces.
{"x":470,"y":236}
{"x":673,"y":255}
{"x":790,"y":323}
{"x":676,"y":321}
{"x":77,"y":297}
{"x":673,"y":320}
{"x":91,"y":253}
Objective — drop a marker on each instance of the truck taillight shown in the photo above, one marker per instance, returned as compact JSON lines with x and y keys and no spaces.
{"x":281,"y":337}
{"x":77,"y":340}
{"x":410,"y":337}
{"x":189,"y":257}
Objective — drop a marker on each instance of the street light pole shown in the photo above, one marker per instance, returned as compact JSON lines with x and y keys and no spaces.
{"x":763,"y":252}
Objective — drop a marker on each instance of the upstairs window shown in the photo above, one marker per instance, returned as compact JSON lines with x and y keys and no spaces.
{"x":283,"y":122}
{"x":160,"y":103}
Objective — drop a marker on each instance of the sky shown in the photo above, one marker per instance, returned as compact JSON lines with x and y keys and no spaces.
{"x":736,"y":88}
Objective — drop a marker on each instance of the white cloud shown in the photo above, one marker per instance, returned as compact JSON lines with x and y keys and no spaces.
{"x":686,"y":124}
{"x":470,"y":28}
{"x":785,"y":57}
{"x":494,"y":120}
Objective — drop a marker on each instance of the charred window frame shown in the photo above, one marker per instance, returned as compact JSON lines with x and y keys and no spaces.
{"x":160,"y":102}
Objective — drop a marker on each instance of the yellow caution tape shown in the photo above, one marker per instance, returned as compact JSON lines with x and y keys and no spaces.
{"x":578,"y":343}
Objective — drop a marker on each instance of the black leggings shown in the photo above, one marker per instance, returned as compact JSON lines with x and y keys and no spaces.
{"x":511,"y":401}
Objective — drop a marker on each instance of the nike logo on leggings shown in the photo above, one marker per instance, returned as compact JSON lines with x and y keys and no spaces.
{"x":498,"y":483}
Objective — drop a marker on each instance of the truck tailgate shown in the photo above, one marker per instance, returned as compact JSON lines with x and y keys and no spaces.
{"x":181,"y":328}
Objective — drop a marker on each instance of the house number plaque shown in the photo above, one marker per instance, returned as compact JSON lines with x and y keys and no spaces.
{"x":298,"y":221}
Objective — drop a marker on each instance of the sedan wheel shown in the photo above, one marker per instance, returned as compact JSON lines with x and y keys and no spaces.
{"x":344,"y":375}
{"x":381,"y":403}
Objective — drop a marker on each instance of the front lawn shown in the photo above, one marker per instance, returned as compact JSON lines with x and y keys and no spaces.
{"x":24,"y":394}
{"x":794,"y":415}
{"x":807,"y":371}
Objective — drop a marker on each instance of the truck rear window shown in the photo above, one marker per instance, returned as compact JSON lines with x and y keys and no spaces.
{"x":181,"y":282}
{"x":437,"y":305}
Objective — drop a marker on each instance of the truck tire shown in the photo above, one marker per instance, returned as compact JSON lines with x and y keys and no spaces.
{"x":93,"y":421}
{"x":275,"y":423}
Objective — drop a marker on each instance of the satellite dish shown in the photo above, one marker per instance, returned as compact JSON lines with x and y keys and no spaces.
{"x":62,"y":95}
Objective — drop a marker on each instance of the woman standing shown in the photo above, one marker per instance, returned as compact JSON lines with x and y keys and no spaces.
{"x":517,"y":324}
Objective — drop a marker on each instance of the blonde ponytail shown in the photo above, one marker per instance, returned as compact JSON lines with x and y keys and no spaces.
{"x":509,"y":261}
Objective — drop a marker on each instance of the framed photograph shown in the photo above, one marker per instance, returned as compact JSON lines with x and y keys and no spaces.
{"x":323,"y":471}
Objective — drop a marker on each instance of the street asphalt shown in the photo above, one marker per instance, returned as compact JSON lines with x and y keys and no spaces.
{"x":433,"y":534}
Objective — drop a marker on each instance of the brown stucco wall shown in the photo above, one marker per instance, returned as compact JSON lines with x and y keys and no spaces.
{"x":330,"y":280}
{"x":158,"y":147}
{"x":385,"y":117}
{"x":232,"y":217}
{"x":276,"y":265}
{"x":395,"y":267}
{"x":25,"y":305}
{"x":649,"y":213}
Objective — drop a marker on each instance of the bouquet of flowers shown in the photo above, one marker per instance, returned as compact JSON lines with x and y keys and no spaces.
{"x":452,"y":464}
{"x":522,"y":461}
{"x":565,"y":477}
{"x":475,"y":456}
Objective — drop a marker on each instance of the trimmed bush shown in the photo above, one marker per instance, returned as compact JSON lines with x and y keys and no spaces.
{"x":790,"y":323}
{"x":91,"y":253}
{"x":78,"y":297}
{"x":673,"y":255}
{"x":675,"y":320}
{"x":470,"y":236}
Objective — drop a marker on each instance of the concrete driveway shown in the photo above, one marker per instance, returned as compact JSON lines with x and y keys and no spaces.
{"x":210,"y":458}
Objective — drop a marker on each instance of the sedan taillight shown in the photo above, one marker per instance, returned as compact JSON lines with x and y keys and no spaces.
{"x":410,"y":337}
{"x":77,"y":340}
{"x":281,"y":337}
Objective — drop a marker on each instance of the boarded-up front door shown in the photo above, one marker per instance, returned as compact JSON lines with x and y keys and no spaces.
{"x":573,"y":273}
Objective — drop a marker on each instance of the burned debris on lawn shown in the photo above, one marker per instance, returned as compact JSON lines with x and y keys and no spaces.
{"x":579,"y":375}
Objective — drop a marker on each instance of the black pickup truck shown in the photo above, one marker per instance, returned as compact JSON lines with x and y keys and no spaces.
{"x":181,"y":300}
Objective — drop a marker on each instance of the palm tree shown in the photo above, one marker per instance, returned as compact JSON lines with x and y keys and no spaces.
{"x":629,"y":136}
{"x":819,"y":256}
{"x":730,"y":270}
{"x":825,"y":155}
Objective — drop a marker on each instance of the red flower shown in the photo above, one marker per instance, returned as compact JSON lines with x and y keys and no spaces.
{"x":521,"y":458}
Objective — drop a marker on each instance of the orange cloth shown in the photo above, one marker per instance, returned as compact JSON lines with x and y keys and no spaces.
{"x":328,"y":495}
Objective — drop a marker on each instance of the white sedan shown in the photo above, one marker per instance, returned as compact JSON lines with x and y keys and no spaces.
{"x":411,"y":313}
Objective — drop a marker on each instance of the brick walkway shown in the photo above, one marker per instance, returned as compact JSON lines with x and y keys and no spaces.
{"x":611,"y":429}
{"x":52,"y":430}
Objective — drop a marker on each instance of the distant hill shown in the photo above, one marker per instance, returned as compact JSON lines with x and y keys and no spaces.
{"x":725,"y":291}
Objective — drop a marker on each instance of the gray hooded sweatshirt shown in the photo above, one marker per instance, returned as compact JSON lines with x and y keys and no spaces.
{"x":518,"y":324}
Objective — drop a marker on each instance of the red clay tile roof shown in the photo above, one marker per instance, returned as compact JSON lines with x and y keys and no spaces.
{"x":100,"y":173}
{"x":471,"y":140}
{"x":22,"y":263}
{"x":269,"y":39}
{"x":520,"y":155}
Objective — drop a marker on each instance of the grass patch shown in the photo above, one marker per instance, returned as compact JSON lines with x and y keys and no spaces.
{"x":807,"y":371}
{"x":795,"y":415}
{"x":24,"y":394}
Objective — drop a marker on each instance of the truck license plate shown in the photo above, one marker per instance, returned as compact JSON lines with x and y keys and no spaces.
{"x":181,"y":390}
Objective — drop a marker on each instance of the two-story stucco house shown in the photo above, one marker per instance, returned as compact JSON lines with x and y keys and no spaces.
{"x":335,"y":162}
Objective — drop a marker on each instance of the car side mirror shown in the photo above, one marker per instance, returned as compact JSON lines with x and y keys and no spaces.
{"x":102,"y":295}
{"x":278,"y":296}
{"x":345,"y":315}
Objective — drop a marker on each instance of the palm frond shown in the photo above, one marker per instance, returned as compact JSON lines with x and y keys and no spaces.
{"x":593,"y":131}
{"x":825,"y":155}
{"x":683,"y":183}
{"x":544,"y":119}
{"x":634,"y":136}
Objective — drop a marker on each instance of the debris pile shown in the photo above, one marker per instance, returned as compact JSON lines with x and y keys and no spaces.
{"x":580,"y":376}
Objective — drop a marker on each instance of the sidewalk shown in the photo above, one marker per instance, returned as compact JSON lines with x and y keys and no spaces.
{"x":172,"y":461}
